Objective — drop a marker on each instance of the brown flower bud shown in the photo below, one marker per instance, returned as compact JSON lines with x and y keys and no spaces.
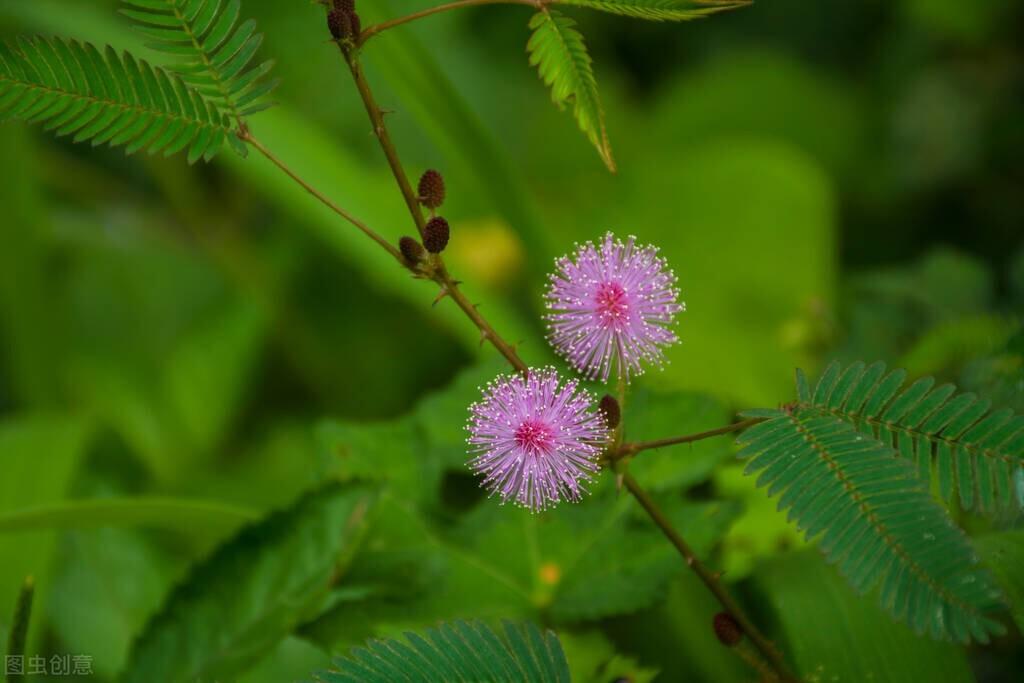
{"x":431,"y":189}
{"x":435,"y":235}
{"x":411,"y":250}
{"x":728,"y":631}
{"x":343,"y":24}
{"x":609,"y":407}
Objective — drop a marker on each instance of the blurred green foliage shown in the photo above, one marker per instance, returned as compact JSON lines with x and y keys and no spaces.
{"x":183,"y":349}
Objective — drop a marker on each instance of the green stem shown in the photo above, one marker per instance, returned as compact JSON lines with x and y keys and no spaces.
{"x":710,"y":580}
{"x":371,"y":31}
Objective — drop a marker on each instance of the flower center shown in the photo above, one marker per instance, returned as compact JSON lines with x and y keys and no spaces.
{"x":611,"y":304}
{"x":535,"y":437}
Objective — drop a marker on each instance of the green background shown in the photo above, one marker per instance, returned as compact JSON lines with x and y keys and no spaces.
{"x":184,"y":349}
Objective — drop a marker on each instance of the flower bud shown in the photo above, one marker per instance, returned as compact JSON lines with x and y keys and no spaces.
{"x":728,"y":631}
{"x":431,"y":189}
{"x":343,"y":24}
{"x":609,"y":407}
{"x":435,"y":235}
{"x":411,"y":250}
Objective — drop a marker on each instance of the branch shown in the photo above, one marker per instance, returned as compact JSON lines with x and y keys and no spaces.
{"x":371,"y":31}
{"x":246,"y":136}
{"x":449,"y":286}
{"x":633,"y":448}
{"x":710,"y":579}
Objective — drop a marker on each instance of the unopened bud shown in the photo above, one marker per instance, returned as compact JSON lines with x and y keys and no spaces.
{"x":435,"y":235}
{"x":411,"y":250}
{"x":609,"y":407}
{"x":727,"y":629}
{"x":431,"y":189}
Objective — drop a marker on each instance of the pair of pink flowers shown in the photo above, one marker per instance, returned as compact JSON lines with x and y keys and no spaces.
{"x":536,"y":440}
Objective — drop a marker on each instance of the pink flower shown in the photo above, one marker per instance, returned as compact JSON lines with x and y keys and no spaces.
{"x":535,"y":442}
{"x":612,"y":304}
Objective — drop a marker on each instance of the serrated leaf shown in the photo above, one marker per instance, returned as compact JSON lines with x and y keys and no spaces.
{"x":876,"y":521}
{"x":457,"y":651}
{"x":557,"y":49}
{"x":659,"y":10}
{"x":72,"y":88}
{"x":260,"y":585}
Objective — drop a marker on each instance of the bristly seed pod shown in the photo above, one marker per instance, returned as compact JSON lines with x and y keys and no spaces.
{"x":728,"y":631}
{"x":609,"y":407}
{"x":431,"y":189}
{"x":345,"y":5}
{"x":435,"y":235}
{"x":411,"y":250}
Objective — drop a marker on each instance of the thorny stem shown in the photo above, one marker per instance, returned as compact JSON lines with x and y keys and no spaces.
{"x":371,"y":31}
{"x":628,"y":449}
{"x":449,"y":286}
{"x":710,"y":579}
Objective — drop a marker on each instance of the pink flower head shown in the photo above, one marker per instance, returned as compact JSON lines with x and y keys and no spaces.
{"x":612,"y":304}
{"x":535,"y":441}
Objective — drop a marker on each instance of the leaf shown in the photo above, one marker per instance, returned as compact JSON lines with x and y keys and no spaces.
{"x":74,"y":89}
{"x":557,"y":50}
{"x":876,"y":519}
{"x":659,"y":10}
{"x":1003,"y":552}
{"x":460,"y":650}
{"x":180,"y":514}
{"x":212,"y":49}
{"x":593,"y":659}
{"x":833,"y":635}
{"x":260,"y":585}
{"x":952,"y":436}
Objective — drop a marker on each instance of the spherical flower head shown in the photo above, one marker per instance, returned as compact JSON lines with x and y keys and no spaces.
{"x":612,"y":304}
{"x":535,"y":440}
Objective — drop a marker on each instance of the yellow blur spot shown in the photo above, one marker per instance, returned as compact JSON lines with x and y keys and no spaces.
{"x":550,"y":573}
{"x":486,"y":250}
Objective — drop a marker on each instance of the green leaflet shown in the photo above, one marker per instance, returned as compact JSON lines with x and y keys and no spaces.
{"x":253,"y":591}
{"x":954,"y":437}
{"x":457,"y":651}
{"x":212,"y":50}
{"x":557,"y":50}
{"x":659,"y":10}
{"x":74,"y":89}
{"x":876,"y":521}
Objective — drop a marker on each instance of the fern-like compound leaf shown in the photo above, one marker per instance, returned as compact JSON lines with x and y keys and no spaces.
{"x":456,"y":651}
{"x":557,"y":49}
{"x":213,"y":51}
{"x":955,"y":437}
{"x":876,"y":521}
{"x":72,"y":88}
{"x":659,"y":10}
